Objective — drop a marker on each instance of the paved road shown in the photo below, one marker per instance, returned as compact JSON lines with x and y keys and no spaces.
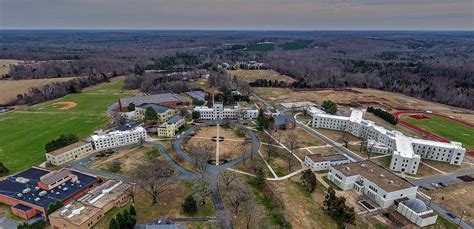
{"x":213,"y":171}
{"x":448,"y":178}
{"x":443,"y":212}
{"x":7,"y":223}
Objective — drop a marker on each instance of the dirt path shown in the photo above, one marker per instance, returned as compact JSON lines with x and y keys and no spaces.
{"x":65,"y":105}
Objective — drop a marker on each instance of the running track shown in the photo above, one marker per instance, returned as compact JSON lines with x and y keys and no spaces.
{"x":429,"y":133}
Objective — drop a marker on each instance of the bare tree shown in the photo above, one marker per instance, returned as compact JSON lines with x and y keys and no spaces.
{"x":202,"y":188}
{"x":237,"y":195}
{"x":228,"y":178}
{"x":201,"y":153}
{"x":153,"y":178}
{"x":345,"y":138}
{"x":292,"y":144}
{"x":248,"y":209}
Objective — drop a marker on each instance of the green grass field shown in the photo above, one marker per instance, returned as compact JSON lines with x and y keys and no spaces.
{"x":262,"y":47}
{"x":295,"y":45}
{"x":23,"y":133}
{"x":446,"y":128}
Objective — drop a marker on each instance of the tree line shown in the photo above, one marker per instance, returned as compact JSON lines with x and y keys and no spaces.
{"x":383,"y":114}
{"x":56,"y":90}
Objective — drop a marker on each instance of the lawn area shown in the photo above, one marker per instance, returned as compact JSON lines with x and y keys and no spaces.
{"x":105,"y":221}
{"x":261,"y":47}
{"x":446,"y":128}
{"x":252,"y":75}
{"x":23,"y":133}
{"x":295,"y":45}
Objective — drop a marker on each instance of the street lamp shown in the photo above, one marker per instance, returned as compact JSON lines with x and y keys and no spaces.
{"x":431,"y":198}
{"x":460,"y":219}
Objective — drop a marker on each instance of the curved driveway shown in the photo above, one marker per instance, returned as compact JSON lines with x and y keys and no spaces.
{"x":213,"y":171}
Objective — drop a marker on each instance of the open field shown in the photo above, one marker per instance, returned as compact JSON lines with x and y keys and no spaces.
{"x":23,"y":133}
{"x":302,"y":209}
{"x":231,"y":148}
{"x":303,"y":140}
{"x":444,"y":127}
{"x":5,"y":66}
{"x":252,"y":75}
{"x":295,"y":45}
{"x":128,"y":159}
{"x":9,"y":89}
{"x":362,"y":98}
{"x":456,"y":198}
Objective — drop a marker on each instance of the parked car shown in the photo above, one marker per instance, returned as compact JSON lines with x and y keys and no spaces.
{"x":442,"y":184}
{"x":435,"y":185}
{"x":450,"y":214}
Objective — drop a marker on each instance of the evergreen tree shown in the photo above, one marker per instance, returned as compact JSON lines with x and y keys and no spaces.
{"x":308,"y":180}
{"x":121,"y":219}
{"x":150,"y":114}
{"x":114,"y":224}
{"x":196,"y":115}
{"x":3,"y":170}
{"x":131,"y":107}
{"x":259,"y":179}
{"x":329,"y":107}
{"x":132,"y":210}
{"x":189,"y":206}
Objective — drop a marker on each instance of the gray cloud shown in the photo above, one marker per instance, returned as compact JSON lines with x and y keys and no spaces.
{"x":238,"y":14}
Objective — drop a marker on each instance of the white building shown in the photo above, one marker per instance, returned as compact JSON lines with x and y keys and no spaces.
{"x":69,"y":153}
{"x":218,"y":111}
{"x":374,"y":181}
{"x":318,"y":162}
{"x":170,"y":127}
{"x":406,"y":151}
{"x":417,"y":212}
{"x":119,"y":137}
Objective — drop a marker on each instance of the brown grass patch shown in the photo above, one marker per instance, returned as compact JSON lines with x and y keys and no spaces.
{"x":232,"y":147}
{"x":65,"y":105}
{"x":457,"y":198}
{"x":252,"y":75}
{"x":362,"y":98}
{"x":303,"y":138}
{"x":9,"y":89}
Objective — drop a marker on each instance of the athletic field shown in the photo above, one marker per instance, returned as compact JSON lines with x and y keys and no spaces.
{"x":23,"y":133}
{"x":443,"y":127}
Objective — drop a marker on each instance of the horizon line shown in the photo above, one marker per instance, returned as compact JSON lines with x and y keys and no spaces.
{"x":250,"y":30}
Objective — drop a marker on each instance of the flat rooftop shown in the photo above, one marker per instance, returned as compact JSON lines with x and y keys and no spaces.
{"x":327,"y":157}
{"x":154,"y":98}
{"x":67,"y":148}
{"x":76,"y":212}
{"x":104,"y":193}
{"x":24,"y":186}
{"x":375,"y":173}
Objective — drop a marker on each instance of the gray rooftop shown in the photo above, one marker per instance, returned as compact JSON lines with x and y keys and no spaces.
{"x":155,"y":98}
{"x":158,"y":108}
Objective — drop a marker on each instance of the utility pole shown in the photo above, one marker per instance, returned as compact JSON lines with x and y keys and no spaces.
{"x":460,"y":219}
{"x":431,"y":198}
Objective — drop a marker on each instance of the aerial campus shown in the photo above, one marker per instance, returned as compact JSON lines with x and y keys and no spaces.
{"x":190,"y":141}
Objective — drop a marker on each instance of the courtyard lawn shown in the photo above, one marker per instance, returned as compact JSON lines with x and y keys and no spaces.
{"x":23,"y":133}
{"x":446,"y":128}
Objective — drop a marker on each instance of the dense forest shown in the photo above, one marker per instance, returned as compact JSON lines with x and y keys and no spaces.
{"x":436,"y":66}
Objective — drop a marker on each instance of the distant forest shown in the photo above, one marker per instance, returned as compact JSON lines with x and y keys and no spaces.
{"x":436,"y":66}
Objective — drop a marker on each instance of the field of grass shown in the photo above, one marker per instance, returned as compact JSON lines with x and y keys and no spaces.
{"x":262,"y":47}
{"x":446,"y":128}
{"x":23,"y":133}
{"x":9,"y":89}
{"x":360,"y":98}
{"x":294,"y":45}
{"x":252,"y":75}
{"x":5,"y":66}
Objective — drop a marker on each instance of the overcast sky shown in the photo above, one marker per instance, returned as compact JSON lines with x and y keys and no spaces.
{"x":238,"y":14}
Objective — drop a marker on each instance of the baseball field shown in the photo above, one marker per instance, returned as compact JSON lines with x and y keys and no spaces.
{"x":24,"y":132}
